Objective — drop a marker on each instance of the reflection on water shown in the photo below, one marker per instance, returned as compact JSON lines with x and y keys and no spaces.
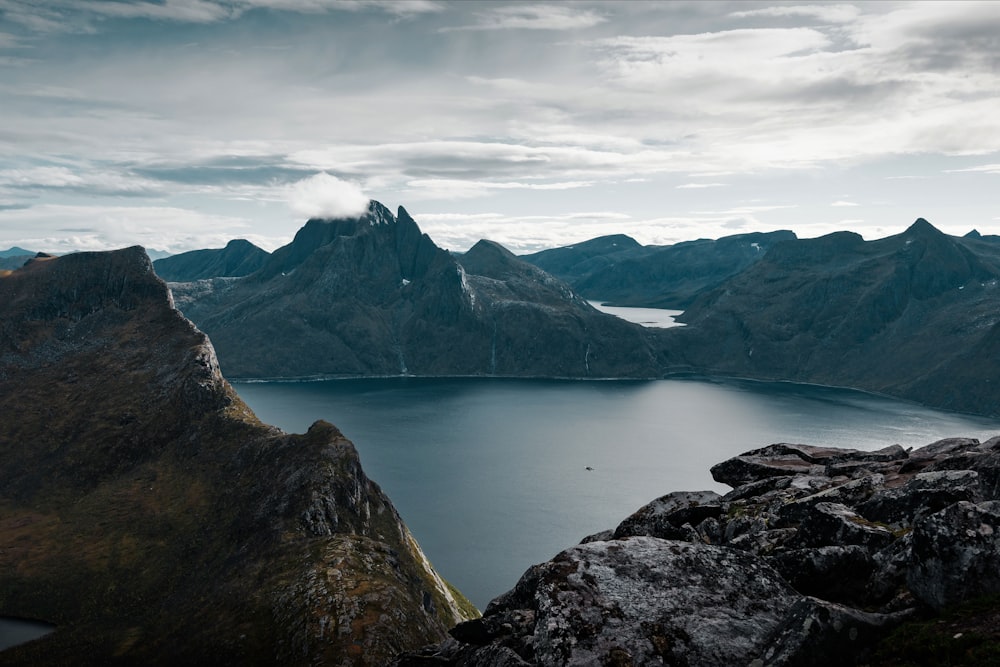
{"x":494,"y":475}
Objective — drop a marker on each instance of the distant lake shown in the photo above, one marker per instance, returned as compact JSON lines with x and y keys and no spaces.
{"x":491,"y":474}
{"x":661,"y":318}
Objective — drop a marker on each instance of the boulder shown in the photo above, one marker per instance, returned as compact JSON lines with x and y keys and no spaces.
{"x":956,"y":554}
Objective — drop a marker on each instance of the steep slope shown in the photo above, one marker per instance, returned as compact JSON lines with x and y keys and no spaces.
{"x":654,"y":276}
{"x":153,"y":519}
{"x":238,"y":258}
{"x":375,"y":296}
{"x":900,"y":315}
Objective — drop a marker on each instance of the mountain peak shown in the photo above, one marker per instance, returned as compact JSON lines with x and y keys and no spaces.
{"x":922,"y":227}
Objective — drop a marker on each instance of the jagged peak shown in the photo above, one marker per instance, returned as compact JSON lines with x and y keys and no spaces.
{"x":378,"y":214}
{"x":921,"y":227}
{"x":974,"y":234}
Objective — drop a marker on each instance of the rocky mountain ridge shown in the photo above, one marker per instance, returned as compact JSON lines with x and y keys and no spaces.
{"x":618,"y":270}
{"x":913,"y":315}
{"x":814,"y":558}
{"x":148,"y":514}
{"x":375,"y":296}
{"x":238,"y":258}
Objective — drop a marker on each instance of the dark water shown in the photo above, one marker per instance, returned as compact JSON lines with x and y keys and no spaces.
{"x":14,"y":631}
{"x":491,"y":474}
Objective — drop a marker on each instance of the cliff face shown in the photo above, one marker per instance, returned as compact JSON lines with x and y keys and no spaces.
{"x":904,"y":315}
{"x":375,"y":296}
{"x":814,"y":558}
{"x":147,"y":513}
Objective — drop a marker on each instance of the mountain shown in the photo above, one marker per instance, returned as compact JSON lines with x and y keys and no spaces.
{"x":817,"y":556}
{"x":913,"y":315}
{"x":15,"y":252}
{"x":618,"y":270}
{"x":148,"y":514}
{"x":238,"y":258}
{"x":375,"y":296}
{"x":14,"y":258}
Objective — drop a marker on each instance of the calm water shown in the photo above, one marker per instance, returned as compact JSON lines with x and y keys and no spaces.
{"x":660,"y":318}
{"x":491,"y":474}
{"x":14,"y":631}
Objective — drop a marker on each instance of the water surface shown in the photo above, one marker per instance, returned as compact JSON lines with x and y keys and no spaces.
{"x":14,"y":631}
{"x":491,"y":475}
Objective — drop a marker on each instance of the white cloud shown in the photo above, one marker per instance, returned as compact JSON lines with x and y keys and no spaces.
{"x":442,"y":188}
{"x":326,"y":196}
{"x":699,"y":186}
{"x":62,"y":228}
{"x":984,"y":169}
{"x":534,"y":17}
{"x":843,"y":203}
{"x":827,"y":13}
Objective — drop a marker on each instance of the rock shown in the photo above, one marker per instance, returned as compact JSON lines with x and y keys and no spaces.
{"x":831,"y":524}
{"x":665,"y":517}
{"x":642,"y":600}
{"x":925,"y":493}
{"x":817,"y":633}
{"x":832,"y":573}
{"x":956,"y":554}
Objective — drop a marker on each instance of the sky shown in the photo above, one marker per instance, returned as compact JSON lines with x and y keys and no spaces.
{"x":182,"y":124}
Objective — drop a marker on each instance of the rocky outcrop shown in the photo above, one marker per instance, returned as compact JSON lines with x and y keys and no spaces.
{"x":814,"y":558}
{"x":238,"y":258}
{"x":911,"y":315}
{"x":375,"y":296}
{"x":619,"y":270}
{"x":153,"y":519}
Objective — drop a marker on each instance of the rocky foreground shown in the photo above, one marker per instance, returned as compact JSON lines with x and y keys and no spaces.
{"x":813,"y":558}
{"x":148,"y":514}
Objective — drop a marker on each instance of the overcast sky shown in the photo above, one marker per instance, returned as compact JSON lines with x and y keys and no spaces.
{"x":182,"y":124}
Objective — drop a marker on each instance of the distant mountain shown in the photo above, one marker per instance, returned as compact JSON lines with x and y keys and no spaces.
{"x":913,"y":315}
{"x":15,"y":252}
{"x":14,"y":258}
{"x":238,"y":258}
{"x":375,"y":296}
{"x":618,"y":270}
{"x":148,"y":514}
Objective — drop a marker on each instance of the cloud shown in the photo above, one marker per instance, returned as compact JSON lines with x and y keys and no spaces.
{"x":326,"y":196}
{"x":699,"y":186}
{"x":442,"y":188}
{"x":826,"y":13}
{"x":64,"y":228}
{"x":534,"y":17}
{"x":983,"y":169}
{"x":843,"y":203}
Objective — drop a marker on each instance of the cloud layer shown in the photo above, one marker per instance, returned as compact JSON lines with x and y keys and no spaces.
{"x":268,"y":111}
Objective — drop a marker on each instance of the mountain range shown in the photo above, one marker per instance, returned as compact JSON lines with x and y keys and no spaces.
{"x":375,"y":296}
{"x":238,"y":258}
{"x":914,"y":315}
{"x":618,"y":270}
